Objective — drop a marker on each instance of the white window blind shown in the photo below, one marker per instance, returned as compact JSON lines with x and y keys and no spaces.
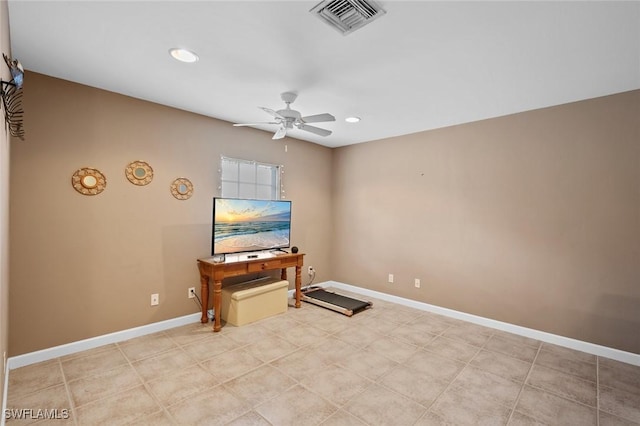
{"x":250,"y":179}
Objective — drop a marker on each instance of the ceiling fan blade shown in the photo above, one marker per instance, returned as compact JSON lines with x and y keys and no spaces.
{"x":271,"y":112}
{"x":313,"y":129}
{"x":318,"y":118}
{"x":282,"y":131}
{"x":255,"y":124}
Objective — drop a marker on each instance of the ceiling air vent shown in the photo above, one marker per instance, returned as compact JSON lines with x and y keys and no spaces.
{"x":347,"y":16}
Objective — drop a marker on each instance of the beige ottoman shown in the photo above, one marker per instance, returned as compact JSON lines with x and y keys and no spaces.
{"x":254,"y":300}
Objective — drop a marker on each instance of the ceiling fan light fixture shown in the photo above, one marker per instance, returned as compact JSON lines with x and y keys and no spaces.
{"x":183,"y":55}
{"x":352,"y":119}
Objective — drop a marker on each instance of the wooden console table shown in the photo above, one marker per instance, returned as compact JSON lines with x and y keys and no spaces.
{"x":216,"y":272}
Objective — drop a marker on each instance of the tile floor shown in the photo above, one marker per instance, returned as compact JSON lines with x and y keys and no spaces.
{"x":390,"y":365}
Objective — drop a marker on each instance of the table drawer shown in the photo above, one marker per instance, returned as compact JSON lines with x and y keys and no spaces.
{"x":264,"y":266}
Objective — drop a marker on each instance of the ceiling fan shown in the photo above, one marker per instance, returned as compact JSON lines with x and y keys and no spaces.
{"x":289,"y":118}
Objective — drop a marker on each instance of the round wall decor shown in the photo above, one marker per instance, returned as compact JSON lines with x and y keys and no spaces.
{"x":139,"y":173}
{"x":182,"y":188}
{"x":88,"y":181}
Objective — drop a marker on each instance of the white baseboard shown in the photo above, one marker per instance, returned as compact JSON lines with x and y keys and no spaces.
{"x":5,"y":392}
{"x":94,"y":342}
{"x":567,"y":342}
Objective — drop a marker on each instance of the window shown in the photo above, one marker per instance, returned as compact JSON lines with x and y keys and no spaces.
{"x":250,"y":179}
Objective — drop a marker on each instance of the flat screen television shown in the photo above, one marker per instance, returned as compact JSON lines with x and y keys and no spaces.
{"x":246,"y":225}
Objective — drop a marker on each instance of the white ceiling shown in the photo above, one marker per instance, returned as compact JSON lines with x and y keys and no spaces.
{"x":423,"y":65}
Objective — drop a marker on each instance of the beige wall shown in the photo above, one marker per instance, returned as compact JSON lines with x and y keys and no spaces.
{"x":83,"y":266}
{"x":4,"y":201}
{"x":532,"y":219}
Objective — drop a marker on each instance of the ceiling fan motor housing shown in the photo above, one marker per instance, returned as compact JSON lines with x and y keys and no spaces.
{"x":289,"y":113}
{"x":291,"y":116}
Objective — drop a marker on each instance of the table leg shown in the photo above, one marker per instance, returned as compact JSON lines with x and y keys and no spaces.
{"x":204,"y":296}
{"x":217,"y":303}
{"x":298,"y":285}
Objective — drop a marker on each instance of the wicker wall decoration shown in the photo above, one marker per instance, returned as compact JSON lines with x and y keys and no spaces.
{"x":11,"y":94}
{"x":182,"y":188}
{"x":88,"y":181}
{"x":139,"y":173}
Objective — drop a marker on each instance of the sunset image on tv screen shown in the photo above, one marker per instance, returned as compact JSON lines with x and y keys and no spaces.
{"x":250,"y":225}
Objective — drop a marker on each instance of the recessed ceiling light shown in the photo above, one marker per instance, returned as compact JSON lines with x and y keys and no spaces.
{"x":352,"y":119}
{"x":183,"y":55}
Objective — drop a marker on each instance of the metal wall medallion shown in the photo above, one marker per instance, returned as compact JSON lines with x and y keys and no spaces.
{"x":182,"y":189}
{"x":139,"y":173}
{"x":88,"y":181}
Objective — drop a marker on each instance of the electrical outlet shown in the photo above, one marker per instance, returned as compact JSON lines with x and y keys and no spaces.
{"x":192,"y":292}
{"x":155,"y":299}
{"x":310,"y":270}
{"x":390,"y":278}
{"x":416,"y":282}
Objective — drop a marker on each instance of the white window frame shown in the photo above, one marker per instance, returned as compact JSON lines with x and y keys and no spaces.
{"x":241,"y":178}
